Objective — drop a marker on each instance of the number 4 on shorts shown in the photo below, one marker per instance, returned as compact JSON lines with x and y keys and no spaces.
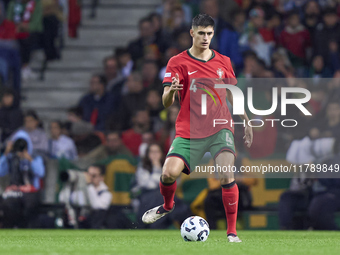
{"x":229,"y":140}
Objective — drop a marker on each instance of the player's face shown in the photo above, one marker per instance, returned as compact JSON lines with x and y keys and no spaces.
{"x":202,"y":36}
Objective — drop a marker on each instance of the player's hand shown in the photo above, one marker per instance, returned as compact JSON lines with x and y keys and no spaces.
{"x":175,"y":86}
{"x":248,"y":136}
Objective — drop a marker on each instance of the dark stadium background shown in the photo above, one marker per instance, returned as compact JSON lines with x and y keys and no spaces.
{"x":49,"y":59}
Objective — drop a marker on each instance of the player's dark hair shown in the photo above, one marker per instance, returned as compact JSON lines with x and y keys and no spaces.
{"x":101,"y":167}
{"x":202,"y":20}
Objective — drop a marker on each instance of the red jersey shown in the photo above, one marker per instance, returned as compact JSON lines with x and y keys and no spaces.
{"x":199,"y":78}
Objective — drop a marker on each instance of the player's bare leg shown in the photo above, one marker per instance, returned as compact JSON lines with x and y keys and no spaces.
{"x":172,"y":169}
{"x":230,"y":194}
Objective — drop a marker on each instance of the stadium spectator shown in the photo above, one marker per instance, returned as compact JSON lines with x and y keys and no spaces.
{"x":134,"y":99}
{"x":124,"y":60}
{"x":176,"y":20}
{"x":74,"y":18}
{"x":156,"y":19}
{"x":295,"y":38}
{"x":229,"y":37}
{"x":166,"y":135}
{"x":281,"y":65}
{"x":334,"y":56}
{"x":165,"y":10}
{"x":147,"y":38}
{"x":327,"y":32}
{"x":150,"y":169}
{"x":21,"y":197}
{"x":7,"y":27}
{"x":113,"y":147}
{"x":182,"y":39}
{"x":312,"y":15}
{"x":326,"y":203}
{"x":97,"y":104}
{"x":32,"y":126}
{"x":213,"y":207}
{"x":170,"y":52}
{"x":147,"y":139}
{"x":52,"y":19}
{"x":61,"y":146}
{"x":251,"y":37}
{"x":11,"y":116}
{"x":99,"y":198}
{"x":296,"y":199}
{"x":82,"y":132}
{"x":10,"y":63}
{"x":78,"y":125}
{"x":154,"y":106}
{"x":113,"y":76}
{"x":211,"y":8}
{"x":264,"y":5}
{"x":150,"y":76}
{"x":27,"y":16}
{"x":147,"y":187}
{"x":318,"y":69}
{"x":330,"y":124}
{"x":271,"y":30}
{"x":132,"y":138}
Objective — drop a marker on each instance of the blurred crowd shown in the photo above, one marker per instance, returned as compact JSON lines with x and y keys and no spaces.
{"x":29,"y":25}
{"x":292,"y":43}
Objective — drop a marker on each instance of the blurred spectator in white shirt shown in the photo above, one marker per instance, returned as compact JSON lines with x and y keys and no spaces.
{"x":61,"y":146}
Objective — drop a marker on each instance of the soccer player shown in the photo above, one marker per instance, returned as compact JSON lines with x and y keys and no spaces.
{"x":192,"y":74}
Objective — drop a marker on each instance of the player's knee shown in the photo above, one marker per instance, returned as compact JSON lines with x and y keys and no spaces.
{"x":167,"y":177}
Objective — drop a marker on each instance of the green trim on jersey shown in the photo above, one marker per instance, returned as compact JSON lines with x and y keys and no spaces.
{"x":213,"y":55}
{"x":191,"y":151}
{"x":166,"y":84}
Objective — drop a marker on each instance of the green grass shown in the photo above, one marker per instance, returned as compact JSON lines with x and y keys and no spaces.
{"x":165,"y":242}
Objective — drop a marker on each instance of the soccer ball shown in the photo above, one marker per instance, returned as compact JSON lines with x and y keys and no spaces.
{"x":195,"y":228}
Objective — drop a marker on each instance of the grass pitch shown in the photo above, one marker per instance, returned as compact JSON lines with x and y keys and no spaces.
{"x":153,"y":242}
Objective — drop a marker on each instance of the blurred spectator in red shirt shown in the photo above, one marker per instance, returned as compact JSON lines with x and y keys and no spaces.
{"x":7,"y":27}
{"x":132,"y":138}
{"x":74,"y":18}
{"x":296,"y":39}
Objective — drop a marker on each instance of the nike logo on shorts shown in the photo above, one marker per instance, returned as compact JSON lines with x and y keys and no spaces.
{"x":232,"y":203}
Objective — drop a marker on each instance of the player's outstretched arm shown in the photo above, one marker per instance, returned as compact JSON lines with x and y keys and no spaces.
{"x":168,"y":97}
{"x":248,"y":130}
